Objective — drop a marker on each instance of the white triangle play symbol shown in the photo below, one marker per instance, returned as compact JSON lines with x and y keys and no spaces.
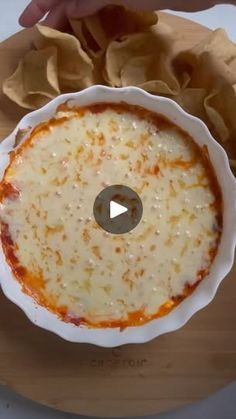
{"x":116,"y":209}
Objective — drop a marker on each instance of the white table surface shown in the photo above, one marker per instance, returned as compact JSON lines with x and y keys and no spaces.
{"x":223,"y":404}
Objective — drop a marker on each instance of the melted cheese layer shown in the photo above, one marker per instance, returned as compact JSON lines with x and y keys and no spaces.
{"x":68,"y":263}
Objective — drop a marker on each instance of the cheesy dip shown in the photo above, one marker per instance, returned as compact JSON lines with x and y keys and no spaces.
{"x":64,"y":259}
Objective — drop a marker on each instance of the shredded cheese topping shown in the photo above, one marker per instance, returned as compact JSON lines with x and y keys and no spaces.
{"x":53,"y":243}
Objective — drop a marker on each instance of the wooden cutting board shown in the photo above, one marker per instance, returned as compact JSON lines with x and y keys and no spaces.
{"x":169,"y":372}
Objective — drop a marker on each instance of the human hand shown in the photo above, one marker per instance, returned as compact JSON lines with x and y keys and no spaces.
{"x":60,"y":10}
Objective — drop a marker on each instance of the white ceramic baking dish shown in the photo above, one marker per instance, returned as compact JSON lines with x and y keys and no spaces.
{"x":203,"y":294}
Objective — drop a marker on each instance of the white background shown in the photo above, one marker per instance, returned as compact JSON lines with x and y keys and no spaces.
{"x":220,"y":406}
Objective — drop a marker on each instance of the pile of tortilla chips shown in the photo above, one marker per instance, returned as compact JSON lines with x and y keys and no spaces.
{"x":118,"y":47}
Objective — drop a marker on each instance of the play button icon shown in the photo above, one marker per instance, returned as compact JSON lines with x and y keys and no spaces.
{"x":118,"y":209}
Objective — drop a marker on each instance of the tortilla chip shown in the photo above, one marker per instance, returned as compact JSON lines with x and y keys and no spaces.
{"x":75,"y":68}
{"x":192,"y":101}
{"x":220,"y":106}
{"x":135,"y":71}
{"x":81,"y":32}
{"x":215,"y":117}
{"x":184,"y":79}
{"x":116,"y":21}
{"x":120,"y":53}
{"x":131,"y":62}
{"x":94,"y":28}
{"x":210,"y":73}
{"x":35,"y":80}
{"x":232,"y":64}
{"x":210,"y":62}
{"x":121,"y":48}
{"x":164,"y":76}
{"x":218,"y":44}
{"x":92,"y":50}
{"x":151,"y":73}
{"x":110,"y":23}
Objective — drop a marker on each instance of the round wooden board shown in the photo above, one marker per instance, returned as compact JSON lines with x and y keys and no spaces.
{"x":169,"y":372}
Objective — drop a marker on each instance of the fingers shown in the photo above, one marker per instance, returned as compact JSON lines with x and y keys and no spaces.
{"x":35,"y":11}
{"x":60,"y":9}
{"x":180,"y":5}
{"x":82,"y":8}
{"x":57,"y":17}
